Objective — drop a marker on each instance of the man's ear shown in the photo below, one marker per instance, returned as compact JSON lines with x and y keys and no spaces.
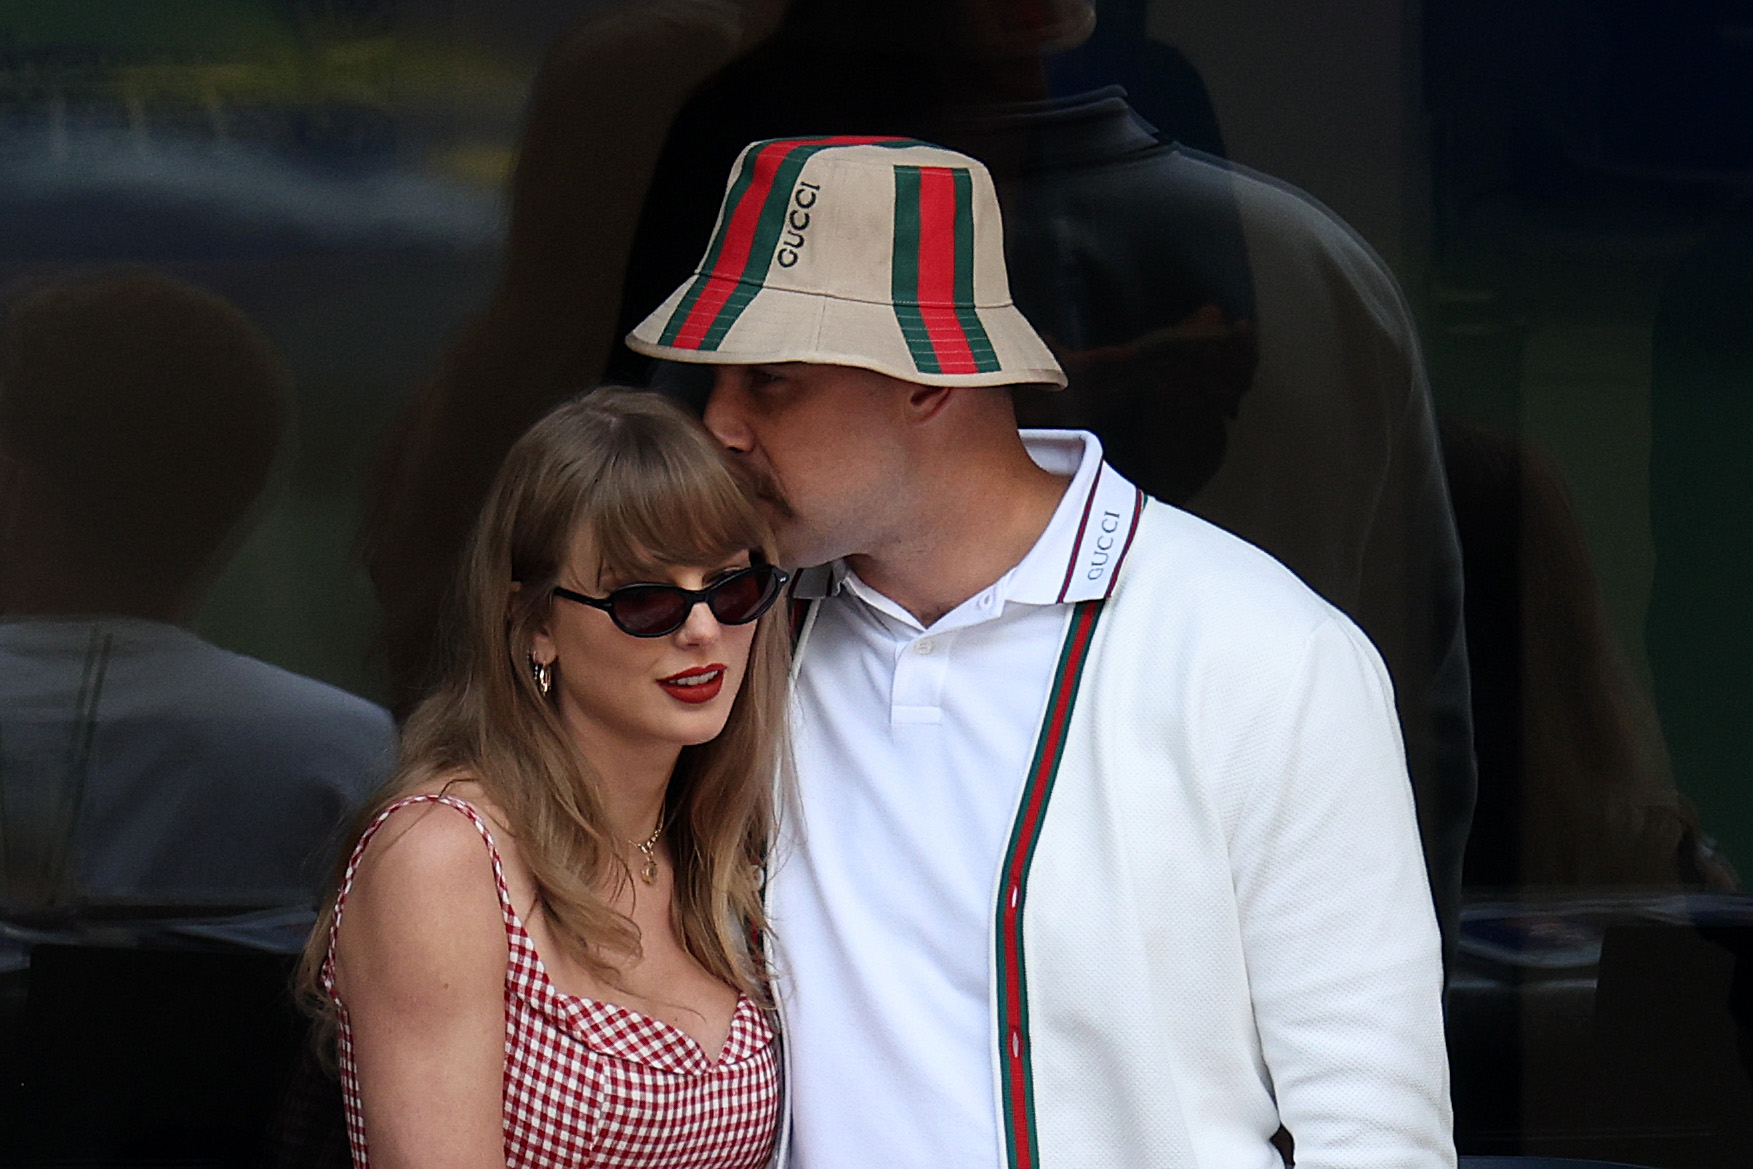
{"x":926,"y":402}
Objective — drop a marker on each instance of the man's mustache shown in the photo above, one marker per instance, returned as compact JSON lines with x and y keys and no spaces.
{"x":763,"y":487}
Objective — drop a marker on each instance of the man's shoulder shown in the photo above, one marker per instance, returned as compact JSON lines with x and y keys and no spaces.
{"x":196,"y":675}
{"x":299,"y":726}
{"x":1181,"y":566}
{"x":1221,"y":627}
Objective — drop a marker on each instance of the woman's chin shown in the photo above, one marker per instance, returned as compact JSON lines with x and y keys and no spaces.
{"x":696,"y":725}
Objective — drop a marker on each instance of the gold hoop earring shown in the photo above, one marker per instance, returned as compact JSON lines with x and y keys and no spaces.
{"x":543,"y":673}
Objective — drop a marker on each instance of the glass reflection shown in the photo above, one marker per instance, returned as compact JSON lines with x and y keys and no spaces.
{"x":333,"y":168}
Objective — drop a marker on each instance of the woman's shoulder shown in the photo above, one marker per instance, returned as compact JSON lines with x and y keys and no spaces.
{"x":424,"y":903}
{"x":438,"y":831}
{"x":429,"y":856}
{"x":421,"y":922}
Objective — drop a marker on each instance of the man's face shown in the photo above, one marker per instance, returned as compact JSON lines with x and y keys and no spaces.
{"x":823,"y":443}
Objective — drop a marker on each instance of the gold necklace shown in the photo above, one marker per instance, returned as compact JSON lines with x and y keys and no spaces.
{"x":648,"y":871}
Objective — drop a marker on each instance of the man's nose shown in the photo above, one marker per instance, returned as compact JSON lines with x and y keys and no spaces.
{"x":723,"y":414}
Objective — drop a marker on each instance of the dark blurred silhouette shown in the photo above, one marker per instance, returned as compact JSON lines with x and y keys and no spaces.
{"x":1574,"y":787}
{"x":166,"y":807}
{"x":1160,"y":83}
{"x":1578,"y":832}
{"x":1238,"y":349}
{"x":1700,"y":630}
{"x":150,"y":779}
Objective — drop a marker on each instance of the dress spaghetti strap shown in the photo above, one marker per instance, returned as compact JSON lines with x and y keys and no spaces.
{"x":513,"y":926}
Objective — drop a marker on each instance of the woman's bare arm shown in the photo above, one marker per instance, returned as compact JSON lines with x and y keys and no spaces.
{"x":420,"y":966}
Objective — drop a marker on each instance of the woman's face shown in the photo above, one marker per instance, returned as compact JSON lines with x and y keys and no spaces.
{"x":626,"y":696}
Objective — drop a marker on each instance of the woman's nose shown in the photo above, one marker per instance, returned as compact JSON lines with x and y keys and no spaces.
{"x":701,"y":627}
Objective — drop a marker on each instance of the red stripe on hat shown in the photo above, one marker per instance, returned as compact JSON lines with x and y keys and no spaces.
{"x":739,"y":238}
{"x":937,"y":270}
{"x":739,"y":233}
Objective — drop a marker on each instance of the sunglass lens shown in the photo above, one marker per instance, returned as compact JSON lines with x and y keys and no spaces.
{"x":743,"y":597}
{"x":649,"y":610}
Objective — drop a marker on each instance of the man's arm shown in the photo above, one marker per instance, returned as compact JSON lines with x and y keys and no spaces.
{"x":1341,"y":944}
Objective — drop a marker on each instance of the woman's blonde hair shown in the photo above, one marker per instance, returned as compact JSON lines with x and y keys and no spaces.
{"x":652,"y":489}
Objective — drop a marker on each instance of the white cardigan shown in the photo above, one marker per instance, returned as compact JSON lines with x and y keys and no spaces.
{"x":1224,"y":915}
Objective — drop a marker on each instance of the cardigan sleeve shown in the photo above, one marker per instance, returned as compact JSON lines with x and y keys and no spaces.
{"x":1335,"y":915}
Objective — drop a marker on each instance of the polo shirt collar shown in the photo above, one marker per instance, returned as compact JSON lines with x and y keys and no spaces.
{"x":1077,"y":556}
{"x":1079,"y":553}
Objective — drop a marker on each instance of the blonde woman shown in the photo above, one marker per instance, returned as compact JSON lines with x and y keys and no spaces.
{"x":541,"y":950}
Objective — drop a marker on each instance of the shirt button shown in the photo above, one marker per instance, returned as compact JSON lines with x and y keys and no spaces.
{"x":924,"y":645}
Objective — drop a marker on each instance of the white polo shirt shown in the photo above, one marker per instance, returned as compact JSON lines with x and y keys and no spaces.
{"x":912,"y":746}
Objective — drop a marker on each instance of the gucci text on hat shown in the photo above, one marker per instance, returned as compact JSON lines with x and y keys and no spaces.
{"x":883,"y":253}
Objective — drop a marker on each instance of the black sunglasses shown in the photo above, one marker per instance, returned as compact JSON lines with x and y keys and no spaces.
{"x":658,"y":610}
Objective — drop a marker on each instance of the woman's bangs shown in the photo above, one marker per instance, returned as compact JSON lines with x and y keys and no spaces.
{"x":661,"y":517}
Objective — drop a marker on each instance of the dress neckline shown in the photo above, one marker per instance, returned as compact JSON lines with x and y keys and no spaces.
{"x":610,"y":1027}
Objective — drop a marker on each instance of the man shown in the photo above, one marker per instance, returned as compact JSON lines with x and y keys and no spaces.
{"x":1105,"y":853}
{"x":1240,"y":352}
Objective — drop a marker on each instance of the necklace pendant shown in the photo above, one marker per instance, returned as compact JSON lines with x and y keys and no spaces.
{"x":649,"y":870}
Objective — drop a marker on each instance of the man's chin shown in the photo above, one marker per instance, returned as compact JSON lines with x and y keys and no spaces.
{"x":794,"y":544}
{"x":797,"y":550}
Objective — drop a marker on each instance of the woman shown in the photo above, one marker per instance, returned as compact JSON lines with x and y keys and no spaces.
{"x":540,"y":952}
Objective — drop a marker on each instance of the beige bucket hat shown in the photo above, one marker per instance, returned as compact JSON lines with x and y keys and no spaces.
{"x":883,"y":253}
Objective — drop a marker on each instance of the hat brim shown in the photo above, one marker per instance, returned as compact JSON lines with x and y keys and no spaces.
{"x":781,"y":324}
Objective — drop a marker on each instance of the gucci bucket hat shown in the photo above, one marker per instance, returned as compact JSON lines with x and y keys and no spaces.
{"x":882,"y":253}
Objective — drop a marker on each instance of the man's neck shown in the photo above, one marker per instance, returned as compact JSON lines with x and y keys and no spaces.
{"x":974,"y":525}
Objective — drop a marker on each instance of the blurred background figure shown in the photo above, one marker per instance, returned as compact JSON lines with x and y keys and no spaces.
{"x":1581,"y":794}
{"x":1700,"y":629}
{"x":151,"y":784}
{"x":332,"y":168}
{"x":167,"y":807}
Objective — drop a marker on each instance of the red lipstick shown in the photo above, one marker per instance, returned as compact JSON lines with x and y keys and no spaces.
{"x":696,"y":684}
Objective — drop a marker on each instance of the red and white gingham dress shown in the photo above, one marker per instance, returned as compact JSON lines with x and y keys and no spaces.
{"x":594,"y":1084}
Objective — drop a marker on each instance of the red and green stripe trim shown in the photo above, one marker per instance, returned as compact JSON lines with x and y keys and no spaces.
{"x":742,"y":248}
{"x":1137,"y":515}
{"x":933,"y":271}
{"x":1016,"y":1070}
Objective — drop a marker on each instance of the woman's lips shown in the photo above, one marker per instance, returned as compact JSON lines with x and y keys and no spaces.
{"x":696,"y":685}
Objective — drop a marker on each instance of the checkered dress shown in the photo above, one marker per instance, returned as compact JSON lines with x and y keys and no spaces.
{"x":593,"y":1084}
